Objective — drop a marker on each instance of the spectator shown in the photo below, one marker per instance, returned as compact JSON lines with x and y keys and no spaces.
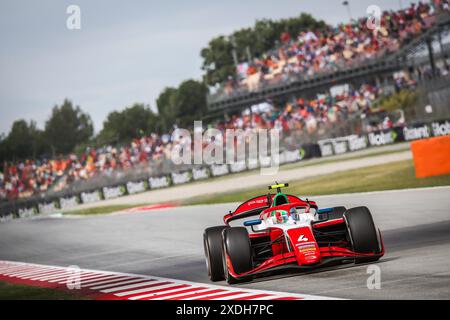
{"x":313,"y":52}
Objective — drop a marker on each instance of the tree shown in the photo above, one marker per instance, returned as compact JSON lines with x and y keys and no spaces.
{"x":20,"y":139}
{"x":190,"y":102}
{"x":182,"y":105}
{"x":166,"y":107}
{"x":130,"y":123}
{"x":218,"y":63}
{"x":23,"y":141}
{"x":4,"y":152}
{"x":67,"y":127}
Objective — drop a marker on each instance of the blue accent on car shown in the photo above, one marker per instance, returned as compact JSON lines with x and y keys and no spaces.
{"x":250,"y":223}
{"x":324,"y":210}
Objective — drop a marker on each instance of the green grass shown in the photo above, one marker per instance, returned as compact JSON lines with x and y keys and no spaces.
{"x":396,"y":175}
{"x":21,"y":292}
{"x":102,"y":210}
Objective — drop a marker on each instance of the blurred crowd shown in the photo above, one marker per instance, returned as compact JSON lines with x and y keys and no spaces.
{"x":306,"y":114}
{"x":309,"y":53}
{"x":25,"y":178}
{"x":312,"y":52}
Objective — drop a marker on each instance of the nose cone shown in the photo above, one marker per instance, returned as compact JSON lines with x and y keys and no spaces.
{"x":307,"y":253}
{"x":304,"y":244}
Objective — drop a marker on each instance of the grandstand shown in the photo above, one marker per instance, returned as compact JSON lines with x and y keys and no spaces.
{"x":350,"y":53}
{"x":289,"y":90}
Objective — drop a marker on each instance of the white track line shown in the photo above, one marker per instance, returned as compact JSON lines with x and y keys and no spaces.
{"x":197,"y":296}
{"x":130,"y":286}
{"x":37,"y":274}
{"x":100,"y":278}
{"x":90,"y":277}
{"x":178,"y":292}
{"x":108,"y":279}
{"x":106,"y":286}
{"x":9,"y":268}
{"x":11,"y":272}
{"x":154,"y":290}
{"x":79,"y":275}
{"x":45,"y":276}
{"x":15,"y":273}
{"x":149,"y":288}
{"x":217,"y":294}
{"x":55,"y":276}
{"x":237,"y":295}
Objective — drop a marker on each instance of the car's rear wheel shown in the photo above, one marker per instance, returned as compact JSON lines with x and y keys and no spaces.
{"x":212,"y":243}
{"x":237,"y":247}
{"x":362,"y":233}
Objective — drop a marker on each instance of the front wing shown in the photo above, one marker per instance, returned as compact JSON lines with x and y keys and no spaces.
{"x":330,"y":256}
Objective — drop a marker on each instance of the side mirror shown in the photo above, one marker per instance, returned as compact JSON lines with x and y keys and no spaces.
{"x":251,"y":223}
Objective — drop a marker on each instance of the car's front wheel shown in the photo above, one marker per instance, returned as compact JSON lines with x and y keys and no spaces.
{"x":362,"y":233}
{"x":237,"y":247}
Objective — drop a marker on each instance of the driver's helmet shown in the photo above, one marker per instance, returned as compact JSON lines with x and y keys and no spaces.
{"x":279,"y":216}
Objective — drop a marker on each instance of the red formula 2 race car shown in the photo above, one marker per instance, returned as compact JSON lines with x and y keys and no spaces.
{"x":288,"y":233}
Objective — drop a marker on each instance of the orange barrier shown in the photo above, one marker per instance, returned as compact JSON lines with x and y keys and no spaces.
{"x":431,"y":156}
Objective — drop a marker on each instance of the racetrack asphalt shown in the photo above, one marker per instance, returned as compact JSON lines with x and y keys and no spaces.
{"x":168,"y":243}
